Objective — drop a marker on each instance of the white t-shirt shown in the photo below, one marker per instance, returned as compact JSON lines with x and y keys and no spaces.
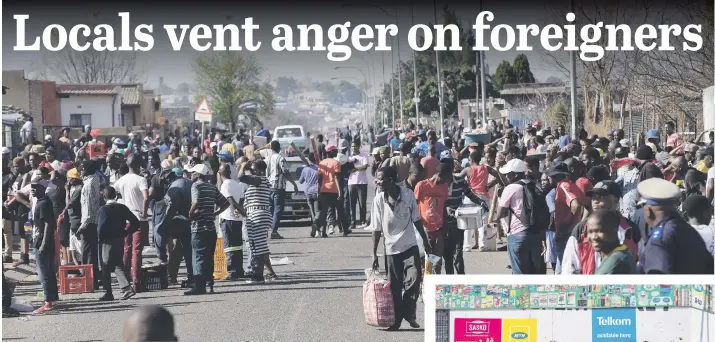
{"x":27,"y":127}
{"x":130,"y":186}
{"x":232,"y":188}
{"x":708,"y":235}
{"x":396,"y":225}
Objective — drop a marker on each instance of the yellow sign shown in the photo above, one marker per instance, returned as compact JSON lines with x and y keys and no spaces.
{"x":518,"y":330}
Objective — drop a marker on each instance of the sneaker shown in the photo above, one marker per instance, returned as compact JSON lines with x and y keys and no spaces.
{"x":44,"y":308}
{"x":7,"y":259}
{"x":20,"y":262}
{"x":255,"y":281}
{"x":108,"y":297}
{"x":10,"y":312}
{"x":128,"y":294}
{"x":276,"y":236}
{"x":331,"y":230}
{"x":271,"y":277}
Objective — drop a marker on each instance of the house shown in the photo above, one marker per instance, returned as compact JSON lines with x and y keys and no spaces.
{"x":36,"y":98}
{"x":105,"y":105}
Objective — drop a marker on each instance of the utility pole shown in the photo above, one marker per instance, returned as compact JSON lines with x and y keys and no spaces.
{"x":414,"y":70}
{"x":573,"y":86}
{"x":399,"y":70}
{"x":482,"y":61}
{"x":439,"y":79}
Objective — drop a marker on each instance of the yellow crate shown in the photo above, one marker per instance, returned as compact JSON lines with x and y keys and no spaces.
{"x":220,"y":269}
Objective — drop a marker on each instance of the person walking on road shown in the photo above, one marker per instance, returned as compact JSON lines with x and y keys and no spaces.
{"x":258,"y":219}
{"x":396,"y":216}
{"x":112,"y":220}
{"x":206,"y":203}
{"x":232,"y":223}
{"x":278,"y":174}
{"x":135,"y":194}
{"x":330,"y":193}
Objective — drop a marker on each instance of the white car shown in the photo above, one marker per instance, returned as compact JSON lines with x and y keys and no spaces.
{"x":286,"y":135}
{"x":296,"y":202}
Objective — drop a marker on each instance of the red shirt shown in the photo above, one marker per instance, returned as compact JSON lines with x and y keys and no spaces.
{"x":673,"y":140}
{"x":566,"y":192}
{"x":430,"y":164}
{"x":430,"y":200}
{"x":479,"y":179}
{"x":584,"y":184}
{"x":329,"y":169}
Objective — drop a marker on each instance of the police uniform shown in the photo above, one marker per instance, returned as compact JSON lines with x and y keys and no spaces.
{"x":672,"y":246}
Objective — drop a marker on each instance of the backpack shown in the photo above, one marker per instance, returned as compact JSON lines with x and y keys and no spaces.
{"x":535,"y":214}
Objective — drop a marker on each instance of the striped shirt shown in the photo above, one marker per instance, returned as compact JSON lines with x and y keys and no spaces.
{"x":90,"y":200}
{"x":258,"y":194}
{"x":276,"y":171}
{"x":207,"y":198}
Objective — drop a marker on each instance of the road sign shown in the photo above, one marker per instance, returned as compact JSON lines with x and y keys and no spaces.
{"x":203,"y":113}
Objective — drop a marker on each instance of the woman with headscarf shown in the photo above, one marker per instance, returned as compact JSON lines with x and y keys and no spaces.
{"x":259,"y":219}
{"x":73,"y":213}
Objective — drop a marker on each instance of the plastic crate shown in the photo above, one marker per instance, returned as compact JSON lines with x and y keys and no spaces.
{"x":76,"y":284}
{"x":154,"y":278}
{"x":220,"y":268}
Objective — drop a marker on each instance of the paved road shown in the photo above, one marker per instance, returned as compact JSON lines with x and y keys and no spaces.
{"x":317,"y":298}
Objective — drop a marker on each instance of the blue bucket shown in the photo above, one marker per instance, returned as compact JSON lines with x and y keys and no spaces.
{"x":473,"y":138}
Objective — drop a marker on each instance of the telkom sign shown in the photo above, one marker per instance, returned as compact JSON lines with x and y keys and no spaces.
{"x":614,"y":325}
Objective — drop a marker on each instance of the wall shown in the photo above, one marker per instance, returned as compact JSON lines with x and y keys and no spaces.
{"x":100,"y":106}
{"x":709,"y":107}
{"x":675,"y":324}
{"x":50,"y":103}
{"x":132,"y":115}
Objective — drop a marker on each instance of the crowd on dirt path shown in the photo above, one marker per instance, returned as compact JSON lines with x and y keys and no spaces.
{"x":575,"y":205}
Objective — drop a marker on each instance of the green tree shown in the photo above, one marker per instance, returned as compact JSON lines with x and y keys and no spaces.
{"x":503,"y":75}
{"x":232,"y":83}
{"x":522,"y":71}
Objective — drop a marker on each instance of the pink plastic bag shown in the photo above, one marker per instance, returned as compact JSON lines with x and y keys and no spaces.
{"x":377,"y":302}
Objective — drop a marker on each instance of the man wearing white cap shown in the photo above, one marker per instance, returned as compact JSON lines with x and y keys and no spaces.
{"x":523,"y":239}
{"x":671,"y":245}
{"x":206,"y":202}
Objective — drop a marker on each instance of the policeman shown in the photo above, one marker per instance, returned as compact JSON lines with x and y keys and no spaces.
{"x":673,"y":246}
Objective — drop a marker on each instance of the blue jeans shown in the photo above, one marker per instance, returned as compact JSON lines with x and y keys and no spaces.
{"x":278,"y":200}
{"x":158,"y":209}
{"x":233,"y":246}
{"x":524,"y":250}
{"x":250,"y":264}
{"x":46,"y":272}
{"x":203,"y":247}
{"x":560,"y":244}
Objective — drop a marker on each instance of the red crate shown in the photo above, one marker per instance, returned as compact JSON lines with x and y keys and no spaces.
{"x":76,"y":284}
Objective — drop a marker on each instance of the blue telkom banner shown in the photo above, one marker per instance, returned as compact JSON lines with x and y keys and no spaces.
{"x":614,"y":325}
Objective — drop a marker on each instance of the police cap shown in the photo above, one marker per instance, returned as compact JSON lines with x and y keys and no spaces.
{"x":658,"y":192}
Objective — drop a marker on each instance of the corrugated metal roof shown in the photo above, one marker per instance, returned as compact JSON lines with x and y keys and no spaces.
{"x":87,"y":89}
{"x":130,"y":92}
{"x":130,"y":95}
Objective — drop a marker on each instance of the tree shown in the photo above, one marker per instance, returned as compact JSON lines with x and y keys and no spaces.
{"x":286,"y":86}
{"x":522,"y":71}
{"x":89,"y":66}
{"x":503,"y":75}
{"x":232,"y":84}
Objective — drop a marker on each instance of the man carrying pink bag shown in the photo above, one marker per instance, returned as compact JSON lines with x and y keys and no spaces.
{"x":396,"y":217}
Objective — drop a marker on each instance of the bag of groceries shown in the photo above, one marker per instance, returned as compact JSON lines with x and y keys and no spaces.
{"x":431,"y":264}
{"x":377,"y":301}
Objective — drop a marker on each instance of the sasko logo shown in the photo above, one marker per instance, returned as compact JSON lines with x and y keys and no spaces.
{"x":477,"y":327}
{"x":519,"y":336}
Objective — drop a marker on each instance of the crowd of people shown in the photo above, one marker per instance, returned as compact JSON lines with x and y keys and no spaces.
{"x":581,"y":205}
